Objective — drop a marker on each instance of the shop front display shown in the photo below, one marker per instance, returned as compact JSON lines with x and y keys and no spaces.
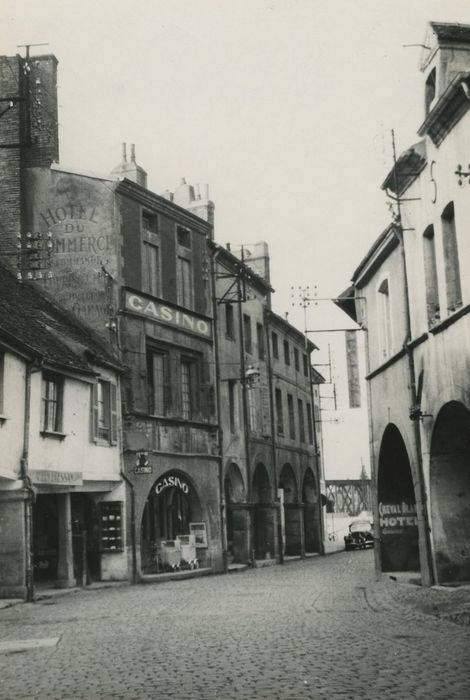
{"x":173,"y":533}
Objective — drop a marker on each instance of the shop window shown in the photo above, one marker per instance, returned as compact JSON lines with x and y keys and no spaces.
{"x":296,"y":360}
{"x":151,"y":269}
{"x":111,"y":534}
{"x":253,"y":413}
{"x":232,"y":405}
{"x":275,"y":345}
{"x":184,"y":237}
{"x":149,"y":222}
{"x":451,"y":258}
{"x":290,"y":412}
{"x":430,"y":276}
{"x":184,"y":282}
{"x":104,"y":412}
{"x":279,"y":412}
{"x":229,"y":322}
{"x":247,"y":333}
{"x":260,"y":339}
{"x":52,"y":404}
{"x":309,"y":424}
{"x":158,"y":383}
{"x":385,"y":321}
{"x":300,"y":408}
{"x":286,"y":353}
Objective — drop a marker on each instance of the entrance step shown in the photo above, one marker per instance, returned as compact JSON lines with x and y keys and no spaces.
{"x":174,"y":575}
{"x":261,"y":563}
{"x":233,"y":568}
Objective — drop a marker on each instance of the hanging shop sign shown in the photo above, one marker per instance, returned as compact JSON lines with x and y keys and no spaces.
{"x":142,"y":464}
{"x":167,"y":314}
{"x":168,"y":481}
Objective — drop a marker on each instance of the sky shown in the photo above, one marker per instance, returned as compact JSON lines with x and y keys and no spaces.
{"x":285,"y":107}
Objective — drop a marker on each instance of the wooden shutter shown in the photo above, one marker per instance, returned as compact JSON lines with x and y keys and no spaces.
{"x":113,"y":413}
{"x":94,"y":412}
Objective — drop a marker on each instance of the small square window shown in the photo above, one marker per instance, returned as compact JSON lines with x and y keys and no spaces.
{"x":149,"y":222}
{"x":184,"y":237}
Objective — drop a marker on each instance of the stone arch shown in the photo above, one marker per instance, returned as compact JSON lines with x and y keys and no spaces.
{"x":450,"y":492}
{"x":398,"y":524}
{"x":312,"y":519}
{"x":172,"y":503}
{"x":291,"y":515}
{"x":264,"y":518}
{"x":237,"y":521}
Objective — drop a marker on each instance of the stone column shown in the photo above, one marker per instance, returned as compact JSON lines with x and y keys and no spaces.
{"x":65,"y":574}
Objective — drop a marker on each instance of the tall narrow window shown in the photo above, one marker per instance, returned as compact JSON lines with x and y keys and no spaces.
{"x":305,"y":360}
{"x":186,"y":370}
{"x":104,"y":412}
{"x":290,"y":411}
{"x":253,"y":413}
{"x":300,"y":407}
{"x":2,"y":383}
{"x":385,"y":319}
{"x":158,"y":384}
{"x":429,"y":90}
{"x":310,"y":424}
{"x":51,"y":404}
{"x":430,"y":275}
{"x":232,"y":405}
{"x":229,"y":322}
{"x":184,"y":282}
{"x":275,"y":345}
{"x":260,"y":339}
{"x":451,"y":258}
{"x":151,"y":269}
{"x":149,"y":222}
{"x":279,"y":413}
{"x":286,"y":352}
{"x":296,"y":360}
{"x":247,"y":333}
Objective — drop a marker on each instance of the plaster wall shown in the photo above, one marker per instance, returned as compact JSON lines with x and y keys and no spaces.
{"x":12,"y":427}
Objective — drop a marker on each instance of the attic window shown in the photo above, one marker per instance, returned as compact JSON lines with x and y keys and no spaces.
{"x":149,"y":222}
{"x":429,"y":90}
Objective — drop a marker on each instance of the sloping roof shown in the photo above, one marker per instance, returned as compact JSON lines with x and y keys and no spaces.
{"x":291,"y":330}
{"x":407,"y":168}
{"x":448,"y":110}
{"x":451,"y":31}
{"x":378,"y":252}
{"x":36,"y":325}
{"x":225,"y":256}
{"x":345,"y":301}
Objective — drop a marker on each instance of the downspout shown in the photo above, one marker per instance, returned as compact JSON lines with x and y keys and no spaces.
{"x":133,"y":526}
{"x":28,"y":512}
{"x":223,"y":506}
{"x":246,"y":431}
{"x":428,"y":573}
{"x":318,"y":453}
{"x":273,"y":436}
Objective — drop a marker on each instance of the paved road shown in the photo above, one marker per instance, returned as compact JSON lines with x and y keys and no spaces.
{"x":320,"y":628}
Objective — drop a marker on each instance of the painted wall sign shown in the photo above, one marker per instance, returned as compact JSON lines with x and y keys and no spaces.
{"x":49,"y":476}
{"x":394,"y":517}
{"x":174,"y":481}
{"x":168,"y":314}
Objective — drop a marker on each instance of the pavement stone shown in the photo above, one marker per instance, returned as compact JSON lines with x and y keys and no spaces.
{"x":321,"y":628}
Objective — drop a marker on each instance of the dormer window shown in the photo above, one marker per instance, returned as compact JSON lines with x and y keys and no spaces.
{"x":429,"y":91}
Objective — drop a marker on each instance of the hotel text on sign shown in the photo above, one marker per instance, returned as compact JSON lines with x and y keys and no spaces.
{"x":167,"y":314}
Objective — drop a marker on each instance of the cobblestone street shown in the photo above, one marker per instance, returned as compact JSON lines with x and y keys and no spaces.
{"x":320,"y":628}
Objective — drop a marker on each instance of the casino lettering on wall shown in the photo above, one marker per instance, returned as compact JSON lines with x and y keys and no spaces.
{"x":167,"y":314}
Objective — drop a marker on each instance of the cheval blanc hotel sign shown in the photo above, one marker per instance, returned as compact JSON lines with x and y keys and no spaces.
{"x":164,"y":313}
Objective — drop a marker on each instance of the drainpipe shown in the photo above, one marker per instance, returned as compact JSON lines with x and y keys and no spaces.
{"x":319,"y":456}
{"x":133,"y":526}
{"x":273,"y":436}
{"x":223,"y":507}
{"x":28,"y":513}
{"x":428,"y":577}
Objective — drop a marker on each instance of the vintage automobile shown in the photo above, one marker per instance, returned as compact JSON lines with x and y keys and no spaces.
{"x":360,"y":535}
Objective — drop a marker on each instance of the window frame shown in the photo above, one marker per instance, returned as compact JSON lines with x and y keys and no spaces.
{"x":51,"y":379}
{"x":107,"y":435}
{"x":275,"y":344}
{"x":229,"y":321}
{"x":260,"y":341}
{"x":247,"y":334}
{"x":279,"y":411}
{"x":291,"y":416}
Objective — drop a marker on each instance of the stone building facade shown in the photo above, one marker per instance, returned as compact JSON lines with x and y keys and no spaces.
{"x":413,"y":291}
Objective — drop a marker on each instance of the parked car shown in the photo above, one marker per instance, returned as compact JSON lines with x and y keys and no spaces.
{"x":360,"y":535}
